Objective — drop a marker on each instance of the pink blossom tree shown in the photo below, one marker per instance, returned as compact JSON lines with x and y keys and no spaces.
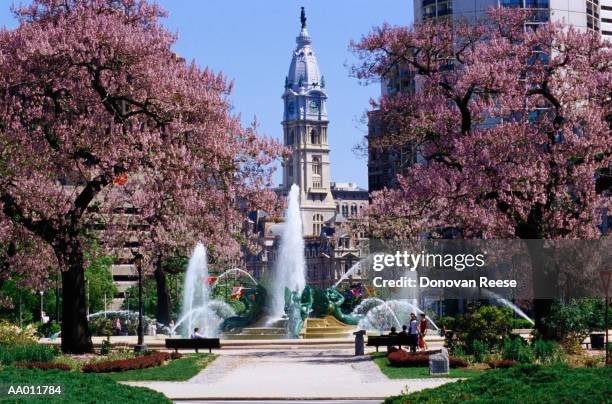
{"x":91,"y":94}
{"x":511,"y":126}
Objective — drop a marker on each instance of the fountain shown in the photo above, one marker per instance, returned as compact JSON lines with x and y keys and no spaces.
{"x":374,"y":318}
{"x":290,"y":266}
{"x":240,"y":271}
{"x":198,"y":310}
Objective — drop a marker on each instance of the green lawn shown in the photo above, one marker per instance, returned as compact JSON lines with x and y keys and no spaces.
{"x":522,"y":384}
{"x":417,"y":372}
{"x":75,"y":388}
{"x":175,"y":370}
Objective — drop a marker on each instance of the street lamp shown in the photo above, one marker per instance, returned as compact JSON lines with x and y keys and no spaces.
{"x":140,"y":346}
{"x":605,"y":276}
{"x":42,"y":311}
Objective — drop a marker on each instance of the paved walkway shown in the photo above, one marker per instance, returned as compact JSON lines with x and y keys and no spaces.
{"x":295,"y":374}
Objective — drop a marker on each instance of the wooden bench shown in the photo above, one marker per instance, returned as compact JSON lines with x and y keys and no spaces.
{"x":388,"y":340}
{"x":196,"y":343}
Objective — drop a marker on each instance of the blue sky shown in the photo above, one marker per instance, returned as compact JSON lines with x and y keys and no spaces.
{"x":251,"y":41}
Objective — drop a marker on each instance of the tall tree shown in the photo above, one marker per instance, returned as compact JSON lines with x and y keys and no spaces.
{"x":512,"y":128}
{"x":91,"y":92}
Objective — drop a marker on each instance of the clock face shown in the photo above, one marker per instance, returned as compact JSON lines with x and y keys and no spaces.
{"x":315,"y":105}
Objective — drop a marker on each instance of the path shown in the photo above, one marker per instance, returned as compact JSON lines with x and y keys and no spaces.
{"x":295,"y":374}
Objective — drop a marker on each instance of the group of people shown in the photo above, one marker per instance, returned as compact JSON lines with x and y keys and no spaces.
{"x":416,"y":331}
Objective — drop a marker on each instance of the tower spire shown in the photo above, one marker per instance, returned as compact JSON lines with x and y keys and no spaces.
{"x":303,"y":18}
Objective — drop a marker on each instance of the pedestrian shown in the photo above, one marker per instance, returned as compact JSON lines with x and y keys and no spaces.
{"x":196,"y":334}
{"x":413,"y":332}
{"x":423,"y":331}
{"x":118,"y":326}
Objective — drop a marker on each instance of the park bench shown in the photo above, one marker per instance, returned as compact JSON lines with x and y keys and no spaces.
{"x":388,"y":340}
{"x":196,"y":343}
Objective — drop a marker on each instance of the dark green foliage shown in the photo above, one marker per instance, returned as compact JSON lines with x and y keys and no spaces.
{"x":548,"y":352}
{"x":479,"y":349}
{"x":521,"y":323}
{"x":49,"y":328}
{"x":487,"y":324}
{"x":78,"y":387}
{"x":174,"y":283}
{"x":522,"y":384}
{"x":516,"y":348}
{"x":10,"y":354}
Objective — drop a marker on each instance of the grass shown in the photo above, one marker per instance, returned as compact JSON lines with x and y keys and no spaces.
{"x":75,"y":388}
{"x":175,"y":370}
{"x":417,"y":372}
{"x":522,"y":384}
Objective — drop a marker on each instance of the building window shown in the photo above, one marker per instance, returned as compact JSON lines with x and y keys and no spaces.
{"x":315,"y":137}
{"x":290,"y":138}
{"x":316,"y":184}
{"x":316,"y":165}
{"x":345,"y":210}
{"x":317,"y":224}
{"x":353,"y":210}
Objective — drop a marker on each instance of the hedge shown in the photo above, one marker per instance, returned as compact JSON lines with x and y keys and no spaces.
{"x":43,"y":365}
{"x":401,"y":358}
{"x":10,"y":354}
{"x":140,"y":362}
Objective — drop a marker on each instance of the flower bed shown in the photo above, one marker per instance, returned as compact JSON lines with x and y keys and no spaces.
{"x":401,"y":358}
{"x":43,"y":365}
{"x":140,"y":362}
{"x":502,"y":364}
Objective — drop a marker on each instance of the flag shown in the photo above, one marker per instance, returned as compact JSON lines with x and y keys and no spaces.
{"x":212,"y":280}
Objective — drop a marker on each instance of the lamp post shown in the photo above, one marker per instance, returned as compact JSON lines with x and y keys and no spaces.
{"x":140,"y":346}
{"x":42,"y":311}
{"x":606,"y":276}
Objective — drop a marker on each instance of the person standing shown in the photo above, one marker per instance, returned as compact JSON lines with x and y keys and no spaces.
{"x":117,"y":326}
{"x":413,"y":332}
{"x":423,"y":331}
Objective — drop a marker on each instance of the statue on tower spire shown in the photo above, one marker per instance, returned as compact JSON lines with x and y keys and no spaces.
{"x":303,"y":18}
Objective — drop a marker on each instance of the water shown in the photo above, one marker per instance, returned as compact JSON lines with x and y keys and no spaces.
{"x":382,"y":315}
{"x":237,"y":270}
{"x":289,"y":271}
{"x":507,"y":303}
{"x":198,"y":310}
{"x":348,"y":273}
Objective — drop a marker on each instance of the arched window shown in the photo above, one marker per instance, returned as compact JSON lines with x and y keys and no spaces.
{"x":316,"y":165}
{"x":315,"y":138}
{"x":317,"y":224}
{"x":353,"y":210}
{"x":345,"y":210}
{"x":290,"y":138}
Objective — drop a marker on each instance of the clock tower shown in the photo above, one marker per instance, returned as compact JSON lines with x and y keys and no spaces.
{"x":305,"y":134}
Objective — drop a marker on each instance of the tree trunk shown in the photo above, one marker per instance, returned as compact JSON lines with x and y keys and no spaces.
{"x":76,"y":338}
{"x":544,"y":277}
{"x":163,"y":298}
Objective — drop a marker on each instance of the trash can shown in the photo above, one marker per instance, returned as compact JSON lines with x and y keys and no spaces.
{"x":359,"y":349}
{"x":597,"y":341}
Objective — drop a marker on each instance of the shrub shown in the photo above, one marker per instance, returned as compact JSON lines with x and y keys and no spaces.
{"x":10,"y":334}
{"x":479,"y":349}
{"x":49,"y":328}
{"x":548,"y":352}
{"x":401,"y":358}
{"x":502,"y":364}
{"x":10,"y":354}
{"x":106,"y":346}
{"x":516,"y":348}
{"x":43,"y":365}
{"x":521,"y":323}
{"x":140,"y":362}
{"x":571,"y":322}
{"x":488,"y":324}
